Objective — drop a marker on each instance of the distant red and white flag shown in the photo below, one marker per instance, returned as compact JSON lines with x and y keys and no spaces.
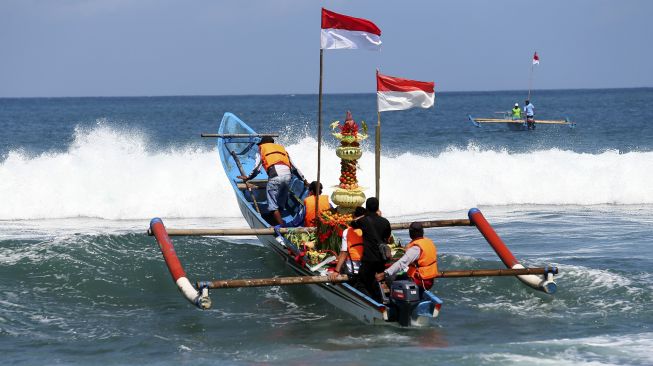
{"x":536,"y":59}
{"x":395,"y":94}
{"x":344,"y":32}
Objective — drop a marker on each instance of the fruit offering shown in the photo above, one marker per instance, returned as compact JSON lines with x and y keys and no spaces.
{"x":349,"y":134}
{"x":348,"y":174}
{"x":330,"y":226}
{"x":348,"y":194}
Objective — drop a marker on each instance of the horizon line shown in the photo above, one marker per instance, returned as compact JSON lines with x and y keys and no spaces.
{"x":305,"y":94}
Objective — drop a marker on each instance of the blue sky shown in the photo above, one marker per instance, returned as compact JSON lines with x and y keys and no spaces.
{"x":165,"y":47}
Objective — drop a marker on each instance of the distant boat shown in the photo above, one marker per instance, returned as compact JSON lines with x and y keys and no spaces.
{"x":518,"y":124}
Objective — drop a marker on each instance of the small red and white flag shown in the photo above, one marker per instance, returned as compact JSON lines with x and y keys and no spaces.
{"x":344,"y":32}
{"x":395,"y":94}
{"x":536,"y":59}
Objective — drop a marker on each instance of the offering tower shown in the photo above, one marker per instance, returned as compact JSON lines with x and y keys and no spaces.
{"x":348,"y":195}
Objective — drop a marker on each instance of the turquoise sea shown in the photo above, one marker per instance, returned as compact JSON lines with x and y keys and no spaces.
{"x":82,"y":284}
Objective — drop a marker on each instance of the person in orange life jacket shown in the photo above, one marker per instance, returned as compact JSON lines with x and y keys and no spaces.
{"x":420,"y":259}
{"x":376,"y":230}
{"x":352,"y":248}
{"x":309,"y":204}
{"x":277,"y":164}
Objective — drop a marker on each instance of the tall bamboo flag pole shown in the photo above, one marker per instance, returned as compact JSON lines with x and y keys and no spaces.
{"x":319,"y":133}
{"x":536,"y":61}
{"x":530,"y":83}
{"x":377,"y":150}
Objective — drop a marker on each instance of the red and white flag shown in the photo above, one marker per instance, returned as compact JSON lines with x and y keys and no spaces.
{"x":344,"y":32}
{"x":395,"y":94}
{"x":536,"y":59}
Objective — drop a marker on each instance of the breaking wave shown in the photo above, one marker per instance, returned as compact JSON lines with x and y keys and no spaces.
{"x":117,"y":174}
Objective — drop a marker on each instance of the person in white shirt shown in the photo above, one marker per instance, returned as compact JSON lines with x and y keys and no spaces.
{"x":351,"y":248}
{"x":529,"y":110}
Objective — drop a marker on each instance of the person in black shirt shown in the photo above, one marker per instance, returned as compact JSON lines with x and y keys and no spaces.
{"x":376,"y":230}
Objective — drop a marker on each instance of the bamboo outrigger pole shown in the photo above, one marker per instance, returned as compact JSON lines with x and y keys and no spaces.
{"x":270,"y":231}
{"x":306,"y":280}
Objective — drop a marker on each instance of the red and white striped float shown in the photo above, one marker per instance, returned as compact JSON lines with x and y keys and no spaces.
{"x":543,"y":283}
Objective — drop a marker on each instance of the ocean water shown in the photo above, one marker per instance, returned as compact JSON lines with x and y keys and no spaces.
{"x":81,"y":283}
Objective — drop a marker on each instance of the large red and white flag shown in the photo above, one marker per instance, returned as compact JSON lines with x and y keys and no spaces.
{"x":536,"y":59}
{"x":344,"y":32}
{"x":395,"y":94}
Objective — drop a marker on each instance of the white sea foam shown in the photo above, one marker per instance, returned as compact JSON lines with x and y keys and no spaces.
{"x":106,"y":173}
{"x":114,"y":175}
{"x":591,"y":279}
{"x":598,"y":350}
{"x":370,"y":340}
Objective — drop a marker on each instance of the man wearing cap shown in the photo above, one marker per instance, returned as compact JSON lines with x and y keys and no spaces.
{"x":277,"y":164}
{"x":420,"y":259}
{"x":516,"y":112}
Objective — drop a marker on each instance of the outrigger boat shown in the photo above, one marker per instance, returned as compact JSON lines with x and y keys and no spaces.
{"x":521,"y":124}
{"x":518,"y":124}
{"x":237,"y":149}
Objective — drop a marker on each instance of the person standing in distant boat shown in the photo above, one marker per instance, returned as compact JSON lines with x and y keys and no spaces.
{"x":529,"y":110}
{"x":277,"y":164}
{"x":516,"y":112}
{"x":315,"y":197}
{"x":420,"y":260}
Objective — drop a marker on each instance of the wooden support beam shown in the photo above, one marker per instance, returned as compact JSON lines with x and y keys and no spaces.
{"x":270,"y":231}
{"x":307,"y":280}
{"x":239,"y":135}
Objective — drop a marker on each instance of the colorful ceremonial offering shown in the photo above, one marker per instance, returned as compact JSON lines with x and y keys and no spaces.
{"x":330,"y":228}
{"x":348,"y":194}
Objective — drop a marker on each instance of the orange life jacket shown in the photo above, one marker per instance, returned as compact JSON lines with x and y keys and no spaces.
{"x":355,"y":243}
{"x":273,"y":154}
{"x":309,"y":203}
{"x":427,"y":263}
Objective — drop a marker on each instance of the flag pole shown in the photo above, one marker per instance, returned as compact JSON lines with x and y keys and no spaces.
{"x":530,"y":81}
{"x":377,"y":150}
{"x":377,"y":164}
{"x":319,"y":135}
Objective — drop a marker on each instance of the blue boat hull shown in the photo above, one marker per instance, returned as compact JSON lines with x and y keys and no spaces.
{"x":342,"y":296}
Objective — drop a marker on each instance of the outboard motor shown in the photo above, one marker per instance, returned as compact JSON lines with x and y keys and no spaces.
{"x":405,"y":296}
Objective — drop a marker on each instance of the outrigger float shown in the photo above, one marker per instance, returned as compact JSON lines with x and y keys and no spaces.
{"x":518,"y":124}
{"x":403,"y":306}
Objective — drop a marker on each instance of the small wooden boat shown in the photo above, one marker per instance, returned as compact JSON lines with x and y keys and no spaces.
{"x":518,"y":124}
{"x":242,"y":150}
